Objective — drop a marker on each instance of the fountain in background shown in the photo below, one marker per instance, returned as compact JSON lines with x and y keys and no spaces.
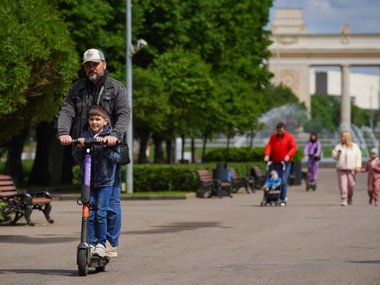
{"x":362,"y":136}
{"x":358,"y":137}
{"x":371,"y":135}
{"x":291,"y":114}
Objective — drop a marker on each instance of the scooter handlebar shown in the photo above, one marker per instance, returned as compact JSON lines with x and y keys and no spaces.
{"x":90,"y":142}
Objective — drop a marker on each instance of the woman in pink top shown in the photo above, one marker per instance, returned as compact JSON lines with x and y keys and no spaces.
{"x":373,"y":168}
{"x":348,"y":161}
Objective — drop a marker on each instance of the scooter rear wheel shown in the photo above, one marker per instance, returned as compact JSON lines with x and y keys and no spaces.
{"x":82,"y":262}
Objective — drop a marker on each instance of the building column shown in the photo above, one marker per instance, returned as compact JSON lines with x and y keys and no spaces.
{"x":345,"y":109}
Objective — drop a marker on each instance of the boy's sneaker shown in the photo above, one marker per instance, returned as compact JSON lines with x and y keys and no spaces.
{"x":111,"y":251}
{"x":100,"y":250}
{"x":92,"y":249}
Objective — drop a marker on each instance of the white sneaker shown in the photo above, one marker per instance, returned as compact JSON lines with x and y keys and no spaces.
{"x":100,"y":250}
{"x":282,"y":204}
{"x":344,"y":203}
{"x":92,"y":249}
{"x":111,"y":251}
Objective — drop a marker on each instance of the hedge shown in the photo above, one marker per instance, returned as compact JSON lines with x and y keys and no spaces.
{"x":170,"y":177}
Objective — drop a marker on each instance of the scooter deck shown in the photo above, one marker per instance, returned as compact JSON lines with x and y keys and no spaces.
{"x":97,"y":261}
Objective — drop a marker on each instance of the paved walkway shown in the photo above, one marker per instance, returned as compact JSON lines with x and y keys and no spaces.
{"x":211,"y":241}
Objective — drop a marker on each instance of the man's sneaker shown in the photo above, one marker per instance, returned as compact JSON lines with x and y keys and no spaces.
{"x":111,"y":251}
{"x":92,"y":249}
{"x":282,"y":204}
{"x":100,"y":250}
{"x":344,"y":203}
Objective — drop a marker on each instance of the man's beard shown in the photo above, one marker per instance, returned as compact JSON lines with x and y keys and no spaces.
{"x":93,"y":77}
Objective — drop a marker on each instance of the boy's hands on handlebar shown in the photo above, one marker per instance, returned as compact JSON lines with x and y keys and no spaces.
{"x":81,"y":143}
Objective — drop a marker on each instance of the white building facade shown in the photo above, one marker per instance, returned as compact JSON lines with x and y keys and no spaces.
{"x":296,"y":55}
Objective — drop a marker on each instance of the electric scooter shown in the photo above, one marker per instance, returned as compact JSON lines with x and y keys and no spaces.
{"x":84,"y":258}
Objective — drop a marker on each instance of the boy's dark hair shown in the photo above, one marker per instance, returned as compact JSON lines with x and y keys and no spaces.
{"x":98,"y":111}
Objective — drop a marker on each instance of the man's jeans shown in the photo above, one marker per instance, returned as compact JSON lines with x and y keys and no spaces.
{"x":97,"y":229}
{"x":285,"y":181}
{"x":114,"y":211}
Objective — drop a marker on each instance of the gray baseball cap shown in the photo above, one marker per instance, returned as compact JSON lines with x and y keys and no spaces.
{"x":93,"y":55}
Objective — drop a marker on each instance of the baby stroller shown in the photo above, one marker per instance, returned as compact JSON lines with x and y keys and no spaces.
{"x":272,"y":187}
{"x":310,"y":183}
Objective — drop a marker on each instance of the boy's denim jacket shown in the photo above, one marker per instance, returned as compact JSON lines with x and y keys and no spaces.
{"x":103,"y":161}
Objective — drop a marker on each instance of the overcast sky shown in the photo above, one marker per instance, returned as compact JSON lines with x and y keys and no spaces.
{"x":328,"y":16}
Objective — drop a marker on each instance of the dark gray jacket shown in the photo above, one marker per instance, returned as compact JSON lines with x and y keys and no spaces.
{"x":73,"y":115}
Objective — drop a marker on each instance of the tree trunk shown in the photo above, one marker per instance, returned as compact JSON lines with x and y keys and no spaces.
{"x":169,"y":150}
{"x":183,"y":149}
{"x":228,"y":147}
{"x":40,"y":174}
{"x":13,"y":166}
{"x":192,"y":150}
{"x":158,"y":152}
{"x":67,"y":165}
{"x":204,"y":145}
{"x":144,"y":139}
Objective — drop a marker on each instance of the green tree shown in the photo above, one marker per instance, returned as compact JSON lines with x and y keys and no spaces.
{"x":325,"y":114}
{"x":360,"y":117}
{"x":151,"y":108}
{"x":229,"y":36}
{"x":38,"y":62}
{"x":187,"y":80}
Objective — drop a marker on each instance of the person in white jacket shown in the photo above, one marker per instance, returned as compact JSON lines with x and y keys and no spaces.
{"x":348,"y":158}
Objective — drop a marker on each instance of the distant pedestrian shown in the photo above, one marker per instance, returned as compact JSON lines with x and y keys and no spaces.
{"x":373,"y":168}
{"x":312,"y":151}
{"x":348,"y":161}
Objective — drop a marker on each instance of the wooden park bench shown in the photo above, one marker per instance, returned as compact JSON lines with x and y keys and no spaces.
{"x":22,"y":204}
{"x":208,"y":186}
{"x":241,"y":182}
{"x":258,"y":176}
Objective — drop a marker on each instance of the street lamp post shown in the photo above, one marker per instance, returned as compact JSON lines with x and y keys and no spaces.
{"x":130,"y":51}
{"x":129,"y":174}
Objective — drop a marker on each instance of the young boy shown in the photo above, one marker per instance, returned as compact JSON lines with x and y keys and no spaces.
{"x":273,"y":182}
{"x":104,"y":160}
{"x":373,"y":168}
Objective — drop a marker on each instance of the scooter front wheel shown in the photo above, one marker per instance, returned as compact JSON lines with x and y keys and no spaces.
{"x":82,"y":262}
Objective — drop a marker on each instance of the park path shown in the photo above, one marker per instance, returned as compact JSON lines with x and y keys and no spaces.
{"x":211,"y":241}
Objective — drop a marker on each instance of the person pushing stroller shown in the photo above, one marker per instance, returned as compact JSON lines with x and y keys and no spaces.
{"x":280,"y":149}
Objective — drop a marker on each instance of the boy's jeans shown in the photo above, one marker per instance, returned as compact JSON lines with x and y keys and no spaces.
{"x":114,"y":211}
{"x":97,"y":229}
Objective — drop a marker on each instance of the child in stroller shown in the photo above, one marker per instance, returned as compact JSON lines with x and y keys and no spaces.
{"x":273,"y":184}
